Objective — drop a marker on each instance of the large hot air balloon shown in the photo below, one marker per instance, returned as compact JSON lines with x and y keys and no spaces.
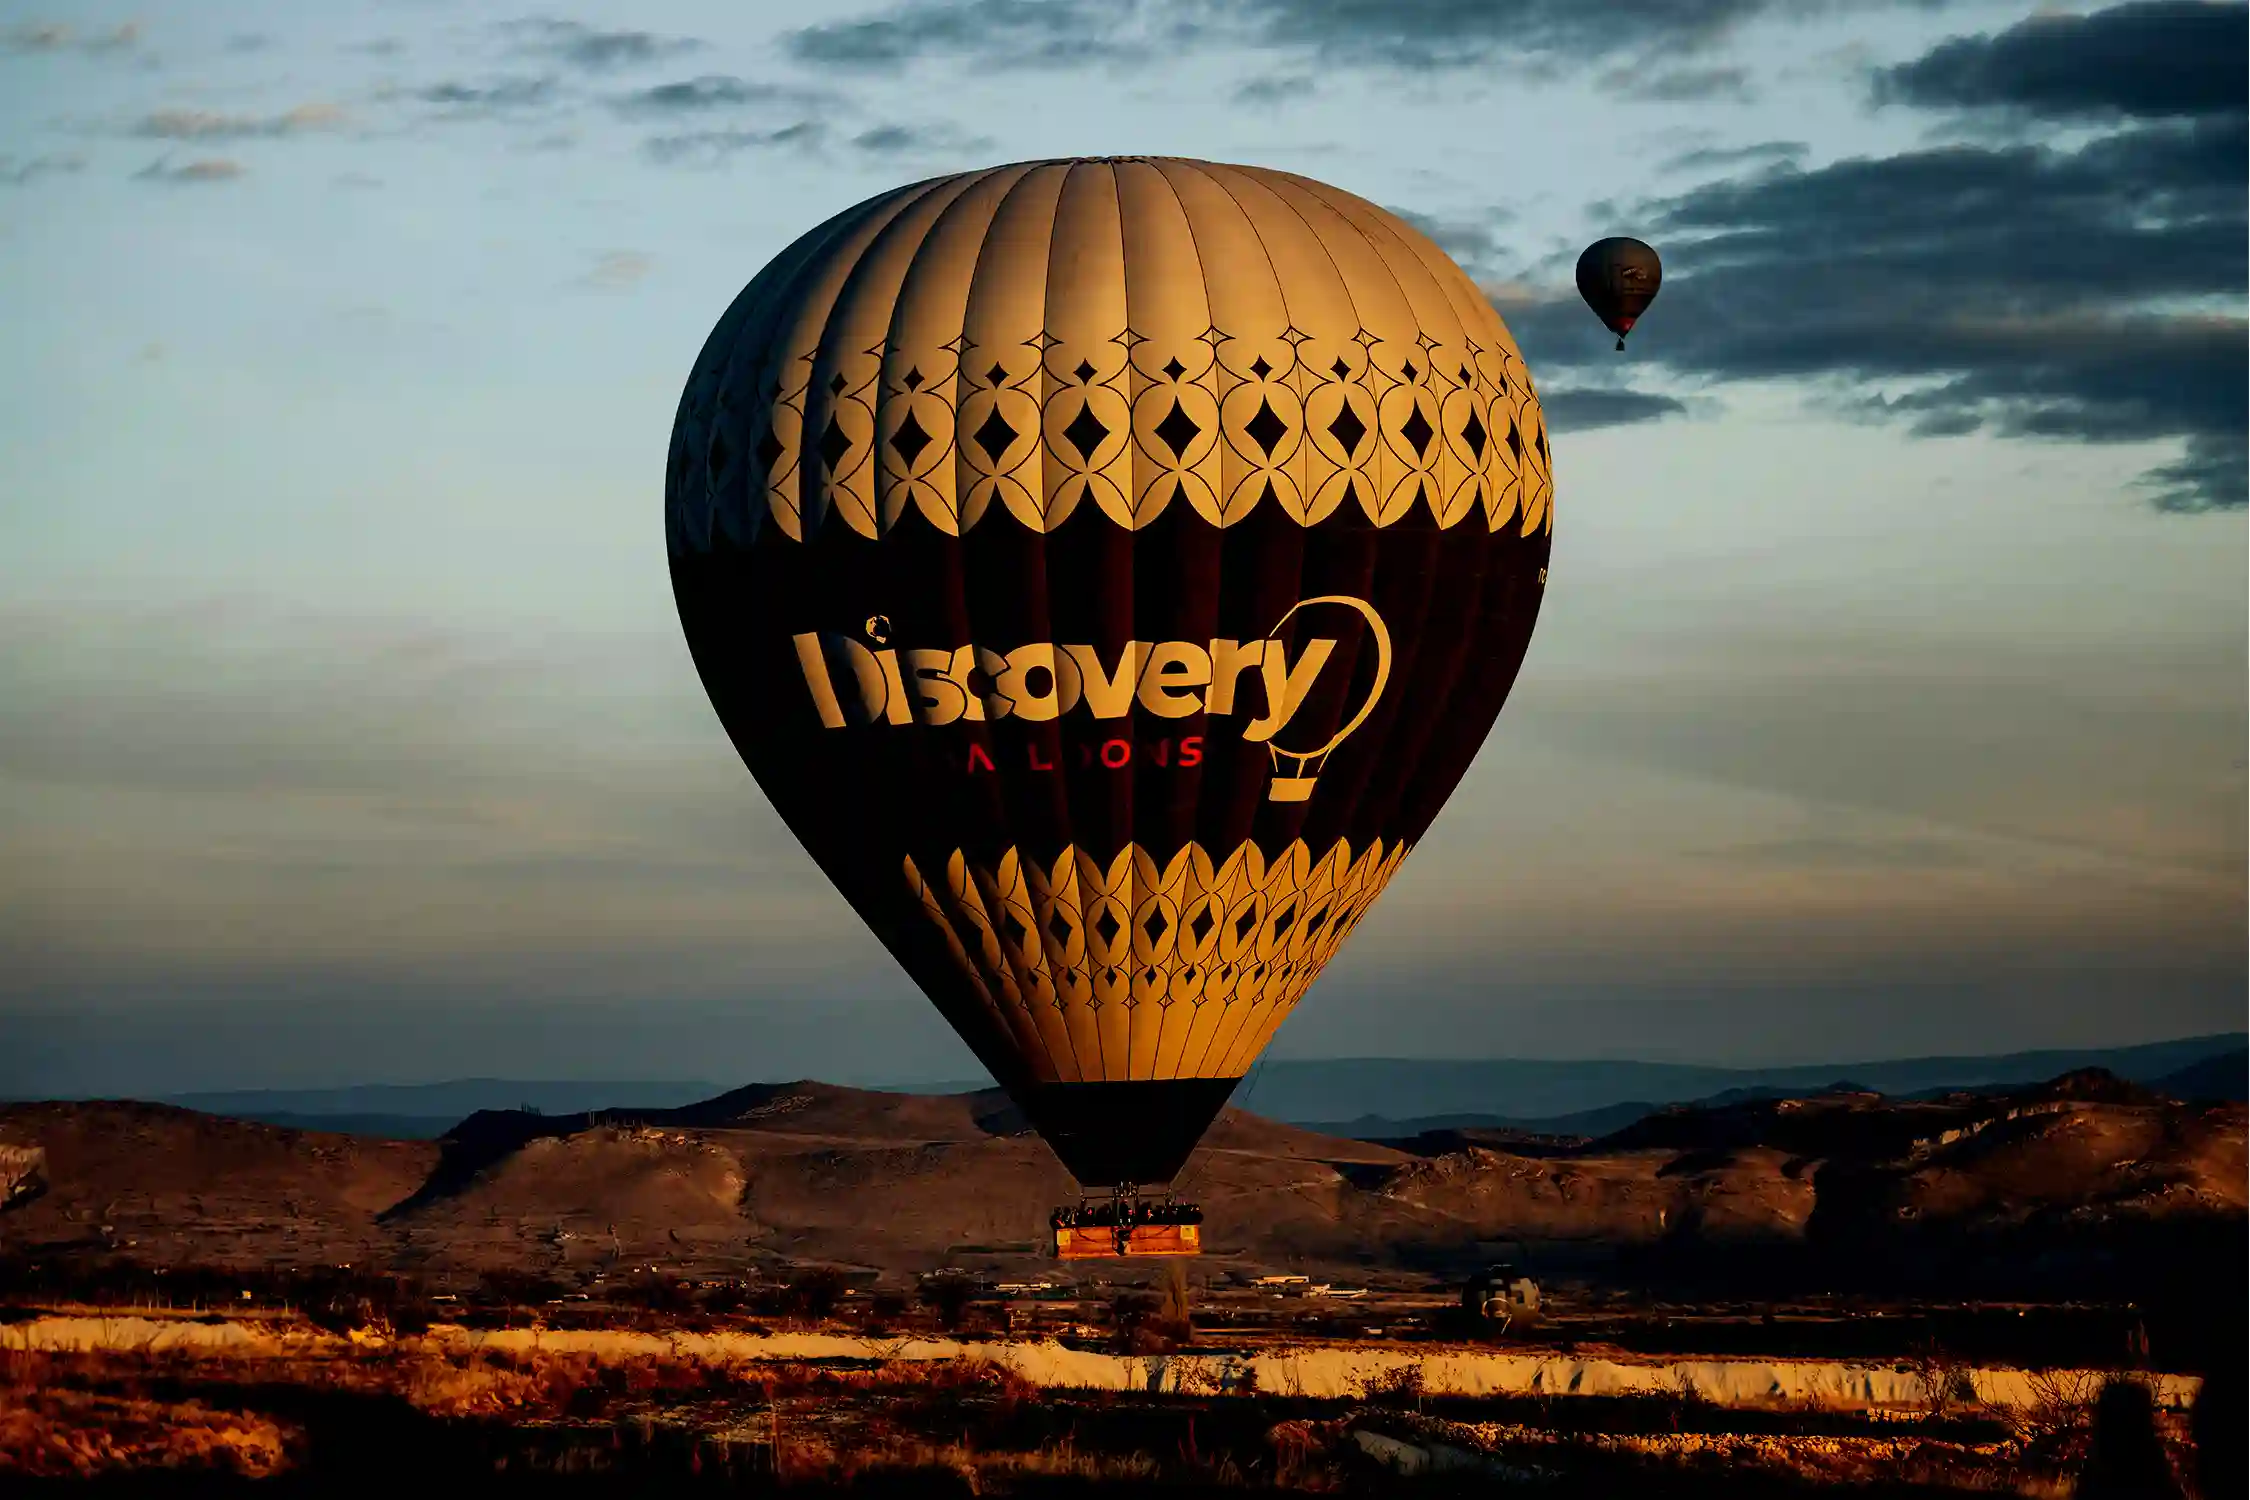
{"x":1619,"y":278}
{"x":1108,"y":567}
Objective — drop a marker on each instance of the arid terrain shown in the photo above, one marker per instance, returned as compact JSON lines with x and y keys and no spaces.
{"x":508,"y":1294}
{"x":2039,"y":1191}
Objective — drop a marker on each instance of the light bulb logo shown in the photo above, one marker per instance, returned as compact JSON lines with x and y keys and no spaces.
{"x":1297,"y":785}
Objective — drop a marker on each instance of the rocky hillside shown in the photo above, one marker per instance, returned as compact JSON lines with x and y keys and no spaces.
{"x":2072,"y":1182}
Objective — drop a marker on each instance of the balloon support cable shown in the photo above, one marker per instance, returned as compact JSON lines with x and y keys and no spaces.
{"x":1126,"y":1224}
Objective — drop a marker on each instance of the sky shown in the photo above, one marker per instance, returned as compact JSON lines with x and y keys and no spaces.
{"x":1888,"y":698}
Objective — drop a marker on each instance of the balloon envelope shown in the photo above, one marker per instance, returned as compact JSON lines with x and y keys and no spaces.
{"x":1619,"y":278}
{"x":1108,"y":568}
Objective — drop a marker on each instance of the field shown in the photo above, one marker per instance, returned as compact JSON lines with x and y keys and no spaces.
{"x":301,"y":1413}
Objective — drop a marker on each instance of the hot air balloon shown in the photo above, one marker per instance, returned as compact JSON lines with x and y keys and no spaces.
{"x":1619,"y":277}
{"x":1108,"y":567}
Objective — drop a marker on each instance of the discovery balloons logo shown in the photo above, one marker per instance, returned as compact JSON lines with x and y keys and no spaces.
{"x":865,"y":680}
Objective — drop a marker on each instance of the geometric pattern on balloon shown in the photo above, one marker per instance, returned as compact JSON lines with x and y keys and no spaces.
{"x":1141,"y":966}
{"x":1456,"y":433}
{"x":1246,"y":339}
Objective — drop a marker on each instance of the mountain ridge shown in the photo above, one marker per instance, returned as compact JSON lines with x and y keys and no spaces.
{"x":1358,"y":1097}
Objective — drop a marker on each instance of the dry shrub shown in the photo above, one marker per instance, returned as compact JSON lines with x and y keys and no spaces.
{"x":814,"y":1292}
{"x":1945,"y":1378}
{"x":1397,"y":1385}
{"x":1064,"y":1460}
{"x":546,"y":1383}
{"x":2052,"y":1427}
{"x":1144,"y":1327}
{"x":728,"y":1298}
{"x":80,"y":1434}
{"x":1293,"y":1444}
{"x":1128,"y":1311}
{"x":513,"y":1288}
{"x":888,"y":1457}
{"x":949,"y":1297}
{"x":939,"y":1378}
{"x":473,"y":1387}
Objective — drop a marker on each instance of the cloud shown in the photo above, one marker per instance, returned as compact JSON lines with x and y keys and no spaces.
{"x":617,"y":271}
{"x":1680,"y":85}
{"x":714,"y":147}
{"x":714,"y":91}
{"x":358,"y":180}
{"x":206,"y":125}
{"x":1451,"y":33}
{"x":2157,"y":59}
{"x":208,"y":169}
{"x":1836,"y":851}
{"x":2086,"y":293}
{"x":1392,"y":33}
{"x":993,"y":32}
{"x":1584,"y":408}
{"x":23,"y":171}
{"x":711,"y":148}
{"x":1758,"y":153}
{"x":52,"y":36}
{"x":902,"y":140}
{"x":1276,"y":88}
{"x":498,"y":96}
{"x":592,"y":49}
{"x":1475,"y":243}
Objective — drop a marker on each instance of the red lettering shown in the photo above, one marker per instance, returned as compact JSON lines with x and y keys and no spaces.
{"x":1191,"y":751}
{"x":1036,"y":763}
{"x":1124,"y":749}
{"x":1163,"y":753}
{"x":978,"y":759}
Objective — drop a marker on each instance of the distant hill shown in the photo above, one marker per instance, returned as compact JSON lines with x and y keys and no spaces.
{"x":1371,"y":1097}
{"x":443,"y":1102}
{"x":1362,"y":1098}
{"x":1586,"y":1124}
{"x":384,"y":1127}
{"x":2213,"y":1080}
{"x":425,"y":1111}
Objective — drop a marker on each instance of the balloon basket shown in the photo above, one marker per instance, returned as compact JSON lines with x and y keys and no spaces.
{"x":1124,"y":1226}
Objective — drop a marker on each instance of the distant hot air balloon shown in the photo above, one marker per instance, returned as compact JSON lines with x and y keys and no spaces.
{"x":1108,"y":567}
{"x":1618,"y":277}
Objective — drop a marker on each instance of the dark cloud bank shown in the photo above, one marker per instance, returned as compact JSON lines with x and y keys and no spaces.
{"x":1407,"y":33}
{"x":2014,"y":284}
{"x":2086,"y":292}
